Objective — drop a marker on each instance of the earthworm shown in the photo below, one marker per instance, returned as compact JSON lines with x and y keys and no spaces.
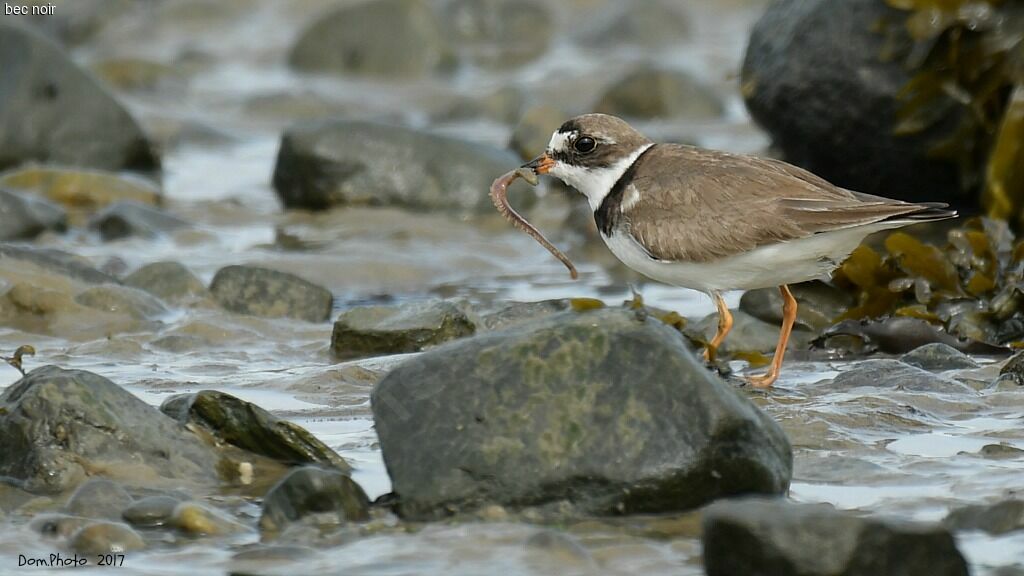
{"x":499,"y":195}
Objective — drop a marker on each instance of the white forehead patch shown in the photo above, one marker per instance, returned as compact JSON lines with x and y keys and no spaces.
{"x":560,"y":141}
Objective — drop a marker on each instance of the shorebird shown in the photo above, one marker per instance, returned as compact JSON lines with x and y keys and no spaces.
{"x":713,"y":221}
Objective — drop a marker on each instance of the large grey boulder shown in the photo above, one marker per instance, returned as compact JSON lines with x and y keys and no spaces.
{"x":609,"y":410}
{"x":770,"y":537}
{"x":60,"y":425}
{"x":343,"y":162}
{"x":53,"y":111}
{"x":386,"y":38}
{"x":822,"y":79}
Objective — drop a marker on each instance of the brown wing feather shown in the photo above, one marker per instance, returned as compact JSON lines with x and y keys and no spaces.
{"x":698,"y":205}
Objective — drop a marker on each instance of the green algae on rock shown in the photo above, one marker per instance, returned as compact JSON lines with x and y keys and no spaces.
{"x":249,"y":427}
{"x":608,"y":410}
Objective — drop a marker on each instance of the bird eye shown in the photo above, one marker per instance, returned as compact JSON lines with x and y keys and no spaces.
{"x":584,"y":145}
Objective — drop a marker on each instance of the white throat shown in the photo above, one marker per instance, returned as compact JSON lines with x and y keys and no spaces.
{"x":596,"y":183}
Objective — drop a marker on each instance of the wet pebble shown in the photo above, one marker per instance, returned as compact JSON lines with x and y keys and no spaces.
{"x":98,"y":498}
{"x":150,"y":511}
{"x":331,"y":496}
{"x":269,"y":293}
{"x":24,"y":216}
{"x":895,"y":375}
{"x":198,"y":520}
{"x":937,"y":357}
{"x":106,"y":538}
{"x":780,"y":537}
{"x":748,"y":334}
{"x":169,"y":281}
{"x":1013,"y":369}
{"x":58,"y":525}
{"x":55,"y":261}
{"x":124,"y":219}
{"x":122,"y":300}
{"x":396,"y":329}
{"x":995,"y":519}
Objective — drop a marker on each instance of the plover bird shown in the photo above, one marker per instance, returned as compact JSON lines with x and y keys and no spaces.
{"x":714,"y":221}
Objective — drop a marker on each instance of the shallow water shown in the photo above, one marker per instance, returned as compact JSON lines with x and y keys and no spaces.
{"x":873,"y":451}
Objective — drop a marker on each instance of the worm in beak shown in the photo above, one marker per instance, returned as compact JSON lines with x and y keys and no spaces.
{"x":499,"y":195}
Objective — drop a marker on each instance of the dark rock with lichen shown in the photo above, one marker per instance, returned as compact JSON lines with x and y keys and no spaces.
{"x":53,"y":111}
{"x":607,"y":409}
{"x":60,"y":426}
{"x":770,"y":536}
{"x":249,"y":427}
{"x":330,"y":496}
{"x":262,"y":292}
{"x":379,"y":330}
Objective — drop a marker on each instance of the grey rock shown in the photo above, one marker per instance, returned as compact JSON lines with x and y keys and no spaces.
{"x":169,"y":281}
{"x":518,"y":313}
{"x":150,"y":511}
{"x":397,"y":329}
{"x":249,"y":427}
{"x":648,"y":24}
{"x":197,"y":520}
{"x":818,"y":304}
{"x":124,"y":219}
{"x":57,"y":261}
{"x":342,"y":162}
{"x":995,"y":519}
{"x":62,"y":526}
{"x":895,"y":375}
{"x":654,"y":93}
{"x":1000,"y":451}
{"x":761,"y":537}
{"x":181,"y":343}
{"x":827,"y":85}
{"x":333,"y":497}
{"x":524,"y":416}
{"x":499,"y":33}
{"x":25,"y":216}
{"x":122,"y":300}
{"x":99,"y":498}
{"x":106,"y":538}
{"x":1013,"y":369}
{"x":533,"y":131}
{"x":387,"y":38}
{"x":53,"y":111}
{"x":58,"y":423}
{"x":938,"y":357}
{"x":271,"y":294}
{"x":748,"y":334}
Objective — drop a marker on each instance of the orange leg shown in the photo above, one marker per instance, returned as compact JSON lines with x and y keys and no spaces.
{"x":788,"y":317}
{"x":724,"y":325}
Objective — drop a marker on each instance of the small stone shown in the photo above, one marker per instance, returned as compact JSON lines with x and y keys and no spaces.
{"x":653,"y":93}
{"x":998,"y":451}
{"x":197,"y":520}
{"x":517,"y":313}
{"x":995,"y":519}
{"x":125,"y":219}
{"x":893,"y":374}
{"x":169,"y":281}
{"x":24,"y":216}
{"x":122,"y":300}
{"x":937,"y":357}
{"x":748,"y":334}
{"x":385,"y":38}
{"x":249,"y":427}
{"x":55,"y":261}
{"x":81,"y":189}
{"x":150,"y":511}
{"x":58,"y":525}
{"x":403,"y":328}
{"x":106,"y":538}
{"x":306,"y":491}
{"x":819,"y":304}
{"x":271,"y":294}
{"x":779,"y":537}
{"x":1013,"y":369}
{"x":98,"y":498}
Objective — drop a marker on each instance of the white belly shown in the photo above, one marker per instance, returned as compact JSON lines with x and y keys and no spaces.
{"x":790,"y":262}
